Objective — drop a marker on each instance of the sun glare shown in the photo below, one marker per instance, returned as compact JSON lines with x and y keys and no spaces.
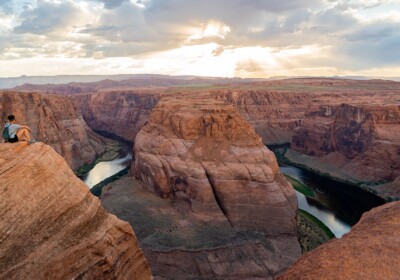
{"x":212,"y":29}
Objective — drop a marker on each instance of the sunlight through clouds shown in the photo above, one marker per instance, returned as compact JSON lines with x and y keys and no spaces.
{"x":212,"y":29}
{"x":257,"y":38}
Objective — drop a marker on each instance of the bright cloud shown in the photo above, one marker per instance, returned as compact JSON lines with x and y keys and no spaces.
{"x":212,"y":29}
{"x":247,"y":38}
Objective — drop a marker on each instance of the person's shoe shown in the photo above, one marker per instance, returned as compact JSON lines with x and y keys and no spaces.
{"x":31,"y":142}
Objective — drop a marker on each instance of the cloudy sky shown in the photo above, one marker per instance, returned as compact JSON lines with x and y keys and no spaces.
{"x":246,"y":38}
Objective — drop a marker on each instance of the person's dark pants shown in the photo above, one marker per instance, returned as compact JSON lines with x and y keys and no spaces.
{"x":13,"y":140}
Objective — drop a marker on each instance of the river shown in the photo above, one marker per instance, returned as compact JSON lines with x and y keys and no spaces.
{"x":106,"y":169}
{"x":338,"y":205}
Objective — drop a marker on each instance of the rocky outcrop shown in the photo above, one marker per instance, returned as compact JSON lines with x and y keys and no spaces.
{"x":179,"y":244}
{"x":55,"y":121}
{"x":226,"y":210}
{"x":203,"y":152}
{"x":273,"y":114}
{"x":388,"y":190}
{"x":119,"y":113}
{"x":53,"y":228}
{"x":354,"y":143}
{"x":275,"y":108}
{"x":370,"y":251}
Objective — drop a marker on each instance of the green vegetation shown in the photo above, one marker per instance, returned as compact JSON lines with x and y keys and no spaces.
{"x":311,"y":232}
{"x":279,"y":151}
{"x":320,"y":224}
{"x":85,"y":168}
{"x":300,"y":187}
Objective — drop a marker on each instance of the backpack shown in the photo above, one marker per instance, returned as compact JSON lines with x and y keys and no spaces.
{"x":6,"y":133}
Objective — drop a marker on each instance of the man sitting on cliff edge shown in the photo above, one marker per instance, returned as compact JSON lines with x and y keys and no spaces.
{"x":17,"y":132}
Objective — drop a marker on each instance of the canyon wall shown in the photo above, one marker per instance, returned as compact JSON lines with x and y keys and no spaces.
{"x":356,"y":143}
{"x":370,"y":251}
{"x":181,"y":244}
{"x":203,"y":152}
{"x":221,"y":186}
{"x":120,"y":113}
{"x":56,"y":121}
{"x":52,"y":227}
{"x":273,"y":114}
{"x":275,"y":108}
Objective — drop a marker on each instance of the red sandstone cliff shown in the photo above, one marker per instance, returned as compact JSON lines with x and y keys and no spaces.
{"x":359,"y":143}
{"x":273,"y":114}
{"x":203,"y":152}
{"x":222,"y":210}
{"x":55,"y":121}
{"x":51,"y":226}
{"x":120,"y":113}
{"x":275,"y":108}
{"x":370,"y":251}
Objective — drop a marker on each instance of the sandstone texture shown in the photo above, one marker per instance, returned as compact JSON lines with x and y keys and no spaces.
{"x":276,"y":108}
{"x":208,"y":194}
{"x":388,"y":190}
{"x":53,"y":228}
{"x":119,"y":113}
{"x":179,"y":244}
{"x":355,"y":143}
{"x":202,"y":152}
{"x":56,"y":121}
{"x":370,"y":251}
{"x":273,"y":114}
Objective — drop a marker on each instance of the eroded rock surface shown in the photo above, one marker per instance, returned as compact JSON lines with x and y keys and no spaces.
{"x":211,"y":192}
{"x":202,"y":151}
{"x":181,"y":245}
{"x":51,"y":227}
{"x":55,"y":121}
{"x":276,"y":108}
{"x":370,"y":251}
{"x":356,"y":143}
{"x":120,"y":113}
{"x":273,"y":114}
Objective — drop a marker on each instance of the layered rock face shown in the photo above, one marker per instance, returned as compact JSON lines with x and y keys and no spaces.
{"x":222,"y":208}
{"x":275,"y":108}
{"x":56,"y":121}
{"x":201,"y":151}
{"x":120,"y":113}
{"x":361,"y":142}
{"x":273,"y":114}
{"x":370,"y":251}
{"x":180,"y":244}
{"x":53,"y":228}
